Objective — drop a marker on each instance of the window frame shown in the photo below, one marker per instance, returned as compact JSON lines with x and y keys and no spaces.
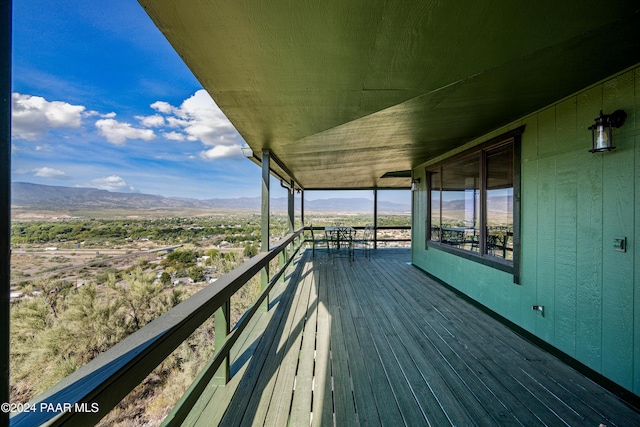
{"x":510,"y":266}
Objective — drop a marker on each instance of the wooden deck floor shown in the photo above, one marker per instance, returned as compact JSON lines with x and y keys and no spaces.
{"x":376,"y":342}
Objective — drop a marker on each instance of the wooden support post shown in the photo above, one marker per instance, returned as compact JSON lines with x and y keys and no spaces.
{"x":266,"y":176}
{"x":290,"y":207}
{"x":302,"y":207}
{"x":292,"y":216}
{"x":302,"y":236}
{"x":375,"y":219}
{"x":5,"y":201}
{"x":414,"y":194}
{"x":282,"y":258}
{"x":222,"y":328}
{"x":482,"y":241}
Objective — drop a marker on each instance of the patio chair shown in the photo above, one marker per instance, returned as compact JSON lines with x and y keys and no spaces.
{"x":365,"y":242}
{"x":315,"y":241}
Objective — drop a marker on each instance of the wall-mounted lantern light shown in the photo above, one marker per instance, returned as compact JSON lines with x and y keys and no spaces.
{"x":414,"y":184}
{"x":601,"y":137}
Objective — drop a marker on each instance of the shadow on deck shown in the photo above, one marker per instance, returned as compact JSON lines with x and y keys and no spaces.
{"x":377,"y":342}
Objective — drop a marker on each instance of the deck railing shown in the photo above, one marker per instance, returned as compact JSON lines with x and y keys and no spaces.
{"x":394,"y":239}
{"x":376,"y":239}
{"x":87,"y":395}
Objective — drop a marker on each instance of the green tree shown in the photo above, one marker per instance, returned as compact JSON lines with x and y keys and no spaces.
{"x":165,"y":279}
{"x":49,"y":290}
{"x":214,"y":254}
{"x":182,"y":258}
{"x":250,"y":250}
{"x":196,"y":274}
{"x":142,"y":296}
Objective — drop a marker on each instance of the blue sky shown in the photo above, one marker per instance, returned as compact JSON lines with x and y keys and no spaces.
{"x":100,"y":99}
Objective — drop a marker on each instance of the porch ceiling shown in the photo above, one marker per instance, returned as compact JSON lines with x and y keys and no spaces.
{"x":343,"y":92}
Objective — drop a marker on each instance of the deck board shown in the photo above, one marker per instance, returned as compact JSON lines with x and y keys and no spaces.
{"x":211,"y":406}
{"x":479,"y":378}
{"x":246,"y":394}
{"x":451,"y":391}
{"x":410,"y":390}
{"x":502,"y":364}
{"x":322,"y":382}
{"x":383,"y":393}
{"x":569,"y":393}
{"x":279,"y":408}
{"x":377,"y":342}
{"x":267,"y":400}
{"x":301,"y":406}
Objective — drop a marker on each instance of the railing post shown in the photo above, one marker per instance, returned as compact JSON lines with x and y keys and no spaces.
{"x":266,"y":176}
{"x":222,"y":321}
{"x":282,"y":259}
{"x":375,"y":219}
{"x":290,"y":207}
{"x":264,"y":281}
{"x":302,"y":207}
{"x":292,"y":218}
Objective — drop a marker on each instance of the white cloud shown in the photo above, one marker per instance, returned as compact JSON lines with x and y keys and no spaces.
{"x":32,"y":116}
{"x":175,"y":122}
{"x":111,"y":183}
{"x":151,"y":121}
{"x":198,"y":118}
{"x":118,"y":132}
{"x":206,"y":122}
{"x":174,"y":136}
{"x":46,"y":172}
{"x":162,"y":107}
{"x":221,"y":152}
{"x":91,"y":113}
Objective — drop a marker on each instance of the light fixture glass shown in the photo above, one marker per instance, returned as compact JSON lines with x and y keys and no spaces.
{"x":603,"y":138}
{"x":601,"y":130}
{"x":414,"y":184}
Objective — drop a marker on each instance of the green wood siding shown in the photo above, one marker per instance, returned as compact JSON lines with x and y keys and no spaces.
{"x":546,"y":255}
{"x":618,"y":213}
{"x":574,"y":203}
{"x":590,"y":232}
{"x":565,"y":292}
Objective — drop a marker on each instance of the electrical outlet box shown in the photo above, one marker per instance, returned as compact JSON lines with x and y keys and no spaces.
{"x":620,"y":244}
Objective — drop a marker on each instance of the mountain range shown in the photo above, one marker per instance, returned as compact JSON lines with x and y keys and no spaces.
{"x":27,"y":196}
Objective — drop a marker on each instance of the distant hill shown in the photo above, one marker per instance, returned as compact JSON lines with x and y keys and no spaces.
{"x":35,"y":196}
{"x":320,"y":205}
{"x":27,"y":196}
